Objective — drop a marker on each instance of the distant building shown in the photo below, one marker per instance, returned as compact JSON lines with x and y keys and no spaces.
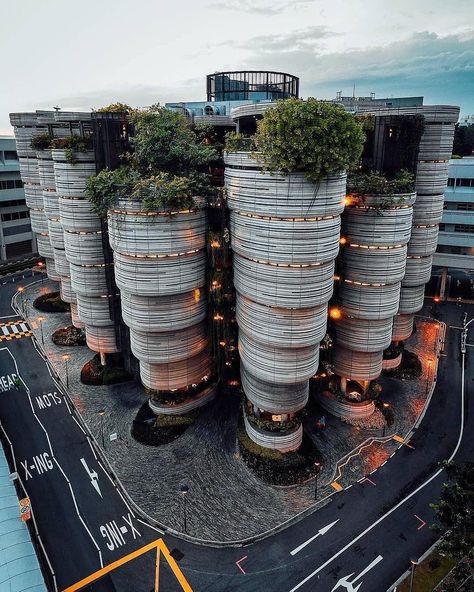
{"x":16,"y":238}
{"x":356,"y":104}
{"x":456,"y":236}
{"x":466,"y":120}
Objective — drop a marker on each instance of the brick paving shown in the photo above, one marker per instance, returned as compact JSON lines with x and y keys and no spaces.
{"x":225,"y":501}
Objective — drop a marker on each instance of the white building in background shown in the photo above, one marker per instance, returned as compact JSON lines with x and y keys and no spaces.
{"x":456,"y":236}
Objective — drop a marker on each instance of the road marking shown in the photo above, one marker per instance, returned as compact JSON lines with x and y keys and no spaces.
{"x":94,"y":477}
{"x":128,"y":519}
{"x":48,"y":400}
{"x":337,"y":486}
{"x":237,"y":563}
{"x":349,"y":584}
{"x":41,"y":463}
{"x":398,"y":438}
{"x":369,"y":480}
{"x":321,"y":532}
{"x":423,"y":523}
{"x":400,"y":503}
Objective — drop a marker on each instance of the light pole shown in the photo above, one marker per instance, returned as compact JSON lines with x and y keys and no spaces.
{"x":317,"y":465}
{"x":385,"y":406}
{"x":414,"y":563}
{"x":430,"y":362}
{"x":40,"y":320}
{"x":66,"y":357}
{"x":40,"y":265}
{"x":184,"y":492}
{"x":101,"y":415}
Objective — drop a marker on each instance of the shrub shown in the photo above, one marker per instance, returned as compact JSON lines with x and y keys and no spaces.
{"x":409,"y":368}
{"x":310,"y":136}
{"x":377,"y":183}
{"x":103,"y":189}
{"x":116,"y":108}
{"x":51,"y":302}
{"x":94,"y":374}
{"x":235,"y":142}
{"x":72,"y":144}
{"x":41,"y":142}
{"x":155,"y":430}
{"x":68,"y":336}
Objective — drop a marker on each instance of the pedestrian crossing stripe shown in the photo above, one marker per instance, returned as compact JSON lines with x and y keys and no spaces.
{"x":14,"y":330}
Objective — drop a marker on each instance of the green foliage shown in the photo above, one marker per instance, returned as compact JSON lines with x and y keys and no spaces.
{"x":165,"y":192}
{"x":41,"y":142}
{"x":375,"y":183}
{"x":310,"y":136}
{"x":165,"y":141}
{"x":116,"y":108}
{"x":72,"y":144}
{"x":455,"y":510}
{"x":235,"y":142}
{"x":103,"y":189}
{"x":464,"y":140}
{"x":51,"y":302}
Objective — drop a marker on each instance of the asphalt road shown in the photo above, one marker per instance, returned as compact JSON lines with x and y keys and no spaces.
{"x":365,"y":536}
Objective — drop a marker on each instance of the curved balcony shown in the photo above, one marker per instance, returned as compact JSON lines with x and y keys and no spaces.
{"x":44,"y":246}
{"x":101,"y":339}
{"x":423,"y":242}
{"x":295,"y":327}
{"x":411,"y":299}
{"x":194,"y":402}
{"x":374,"y":266}
{"x":71,"y":177}
{"x":168,"y":346}
{"x":288,"y":196}
{"x":428,"y":209}
{"x":285,"y":240}
{"x":149,"y":233}
{"x":76,"y":321}
{"x":344,"y":409}
{"x":94,"y":311}
{"x":39,"y":222}
{"x":163,"y":313}
{"x":46,"y":169}
{"x":284,"y":286}
{"x":29,"y":170}
{"x":418,"y":271}
{"x":84,"y":248}
{"x":437,"y":142}
{"x":357,"y":365}
{"x":77,"y":215}
{"x":278,"y":365}
{"x":160,"y":276}
{"x":61,"y":263}
{"x":378,"y":227}
{"x":273,"y":397}
{"x":88,"y":280}
{"x":402,"y":327}
{"x":67,"y":293}
{"x":282,"y":441}
{"x":51,"y":270}
{"x":178,"y":375}
{"x":51,"y":205}
{"x":34,"y":196}
{"x":56,"y":234}
{"x":364,"y":335}
{"x":370,"y":302}
{"x":431,"y":178}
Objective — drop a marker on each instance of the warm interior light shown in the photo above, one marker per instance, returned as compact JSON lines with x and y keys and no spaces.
{"x":197,"y":294}
{"x":347,"y":201}
{"x":335,"y":313}
{"x":342,"y":240}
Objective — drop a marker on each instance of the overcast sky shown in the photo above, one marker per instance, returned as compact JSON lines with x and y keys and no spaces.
{"x":85,"y":54}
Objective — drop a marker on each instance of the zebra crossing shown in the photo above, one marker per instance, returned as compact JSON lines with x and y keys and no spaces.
{"x":14,"y":330}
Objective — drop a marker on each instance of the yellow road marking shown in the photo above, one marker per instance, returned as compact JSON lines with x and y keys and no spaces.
{"x":398,"y":438}
{"x":336,"y":486}
{"x":159,"y":545}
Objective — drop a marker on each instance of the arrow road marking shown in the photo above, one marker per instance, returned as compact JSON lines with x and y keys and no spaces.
{"x":320,"y":532}
{"x":349,"y":585}
{"x":237,"y":563}
{"x":93,"y":475}
{"x":423,"y":523}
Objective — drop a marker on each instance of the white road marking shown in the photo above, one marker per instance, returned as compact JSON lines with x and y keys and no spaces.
{"x":93,"y":476}
{"x":349,"y":585}
{"x":320,"y":532}
{"x":397,"y":506}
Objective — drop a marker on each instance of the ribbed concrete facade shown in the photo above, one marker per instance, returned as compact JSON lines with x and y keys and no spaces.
{"x":376,"y":230}
{"x":285,"y":237}
{"x":160,"y":269}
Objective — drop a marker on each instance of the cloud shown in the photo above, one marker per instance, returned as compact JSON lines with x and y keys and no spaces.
{"x":306,"y":40}
{"x":257,"y":7}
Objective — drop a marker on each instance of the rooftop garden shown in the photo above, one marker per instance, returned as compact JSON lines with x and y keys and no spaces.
{"x":167,"y":168}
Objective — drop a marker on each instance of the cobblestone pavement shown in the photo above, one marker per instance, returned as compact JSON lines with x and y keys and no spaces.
{"x":225,"y":501}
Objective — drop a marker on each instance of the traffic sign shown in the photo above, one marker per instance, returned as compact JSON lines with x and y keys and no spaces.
{"x":25,"y":509}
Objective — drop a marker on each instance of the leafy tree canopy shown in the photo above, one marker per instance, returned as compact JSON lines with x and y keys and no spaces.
{"x":309,"y":136}
{"x":464,"y":140}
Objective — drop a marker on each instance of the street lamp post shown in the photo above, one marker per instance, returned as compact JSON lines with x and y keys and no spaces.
{"x":40,"y":320}
{"x":385,"y":406}
{"x":66,"y":357}
{"x":317,"y":465}
{"x":184,"y":492}
{"x":101,"y":415}
{"x":40,"y":265}
{"x":414,"y":563}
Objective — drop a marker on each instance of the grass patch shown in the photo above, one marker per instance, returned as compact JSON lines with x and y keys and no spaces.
{"x":156,"y":430}
{"x":278,"y":468}
{"x":51,"y":302}
{"x":429,"y":573}
{"x":94,"y":374}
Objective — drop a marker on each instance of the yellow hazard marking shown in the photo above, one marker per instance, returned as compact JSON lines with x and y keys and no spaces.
{"x":336,"y":486}
{"x":160,"y":547}
{"x":398,"y":438}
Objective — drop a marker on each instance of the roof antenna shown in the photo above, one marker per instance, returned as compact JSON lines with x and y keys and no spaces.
{"x":57,"y":109}
{"x":354,"y":91}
